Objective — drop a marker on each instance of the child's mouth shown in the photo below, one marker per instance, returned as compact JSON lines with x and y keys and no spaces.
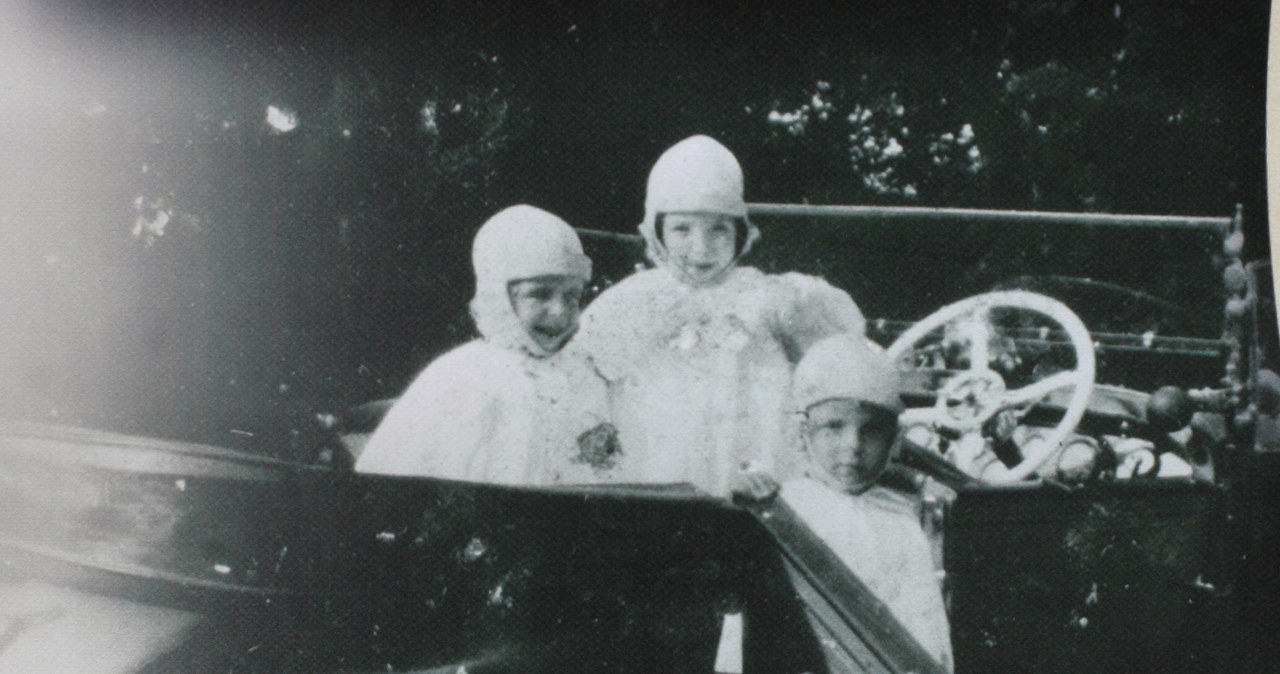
{"x":550,"y":334}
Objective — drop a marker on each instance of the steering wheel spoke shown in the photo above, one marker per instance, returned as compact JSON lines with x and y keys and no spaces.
{"x":972,"y":396}
{"x":1033,"y":393}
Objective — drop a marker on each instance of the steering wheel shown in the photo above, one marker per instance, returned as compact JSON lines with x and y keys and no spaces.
{"x":971,"y":397}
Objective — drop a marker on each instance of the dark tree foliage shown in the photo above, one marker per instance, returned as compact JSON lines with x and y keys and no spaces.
{"x":188,"y":268}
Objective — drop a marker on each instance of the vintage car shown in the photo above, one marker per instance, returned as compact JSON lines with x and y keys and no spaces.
{"x":1092,"y":448}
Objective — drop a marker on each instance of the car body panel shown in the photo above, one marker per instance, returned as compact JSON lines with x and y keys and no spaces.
{"x":304,"y":569}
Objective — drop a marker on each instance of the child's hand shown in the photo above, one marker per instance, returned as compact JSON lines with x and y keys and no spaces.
{"x":754,"y":485}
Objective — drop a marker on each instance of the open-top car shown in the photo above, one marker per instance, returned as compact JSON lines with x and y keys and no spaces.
{"x":1091,"y":411}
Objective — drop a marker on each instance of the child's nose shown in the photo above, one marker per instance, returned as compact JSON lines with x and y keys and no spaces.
{"x":851,"y":443}
{"x":558,"y":307}
{"x":702,"y":244}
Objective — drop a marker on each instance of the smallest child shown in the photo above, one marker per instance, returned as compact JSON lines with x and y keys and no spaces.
{"x":849,"y":393}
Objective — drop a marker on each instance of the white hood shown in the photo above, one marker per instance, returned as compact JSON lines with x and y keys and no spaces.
{"x":846,"y":366}
{"x":520,"y":242}
{"x":696,"y":175}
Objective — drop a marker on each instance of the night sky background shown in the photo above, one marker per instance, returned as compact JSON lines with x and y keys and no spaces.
{"x":174,"y":265}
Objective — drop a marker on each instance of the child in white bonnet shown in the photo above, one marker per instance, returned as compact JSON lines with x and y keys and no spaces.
{"x":515,"y":406}
{"x":699,"y":351}
{"x":848,"y":393}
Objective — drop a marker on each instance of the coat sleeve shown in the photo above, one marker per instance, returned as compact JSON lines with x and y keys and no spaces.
{"x":610,"y":325}
{"x":436,"y":426}
{"x":814,"y":309}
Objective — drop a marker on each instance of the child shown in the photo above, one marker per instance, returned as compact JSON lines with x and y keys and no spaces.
{"x":513,"y":407}
{"x":699,"y":351}
{"x":848,"y":392}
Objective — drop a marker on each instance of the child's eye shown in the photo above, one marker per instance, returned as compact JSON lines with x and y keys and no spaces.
{"x":681,"y":229}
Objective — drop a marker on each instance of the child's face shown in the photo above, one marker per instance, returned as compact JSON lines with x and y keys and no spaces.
{"x":702,"y":245}
{"x":548,"y":308}
{"x":850,"y":441}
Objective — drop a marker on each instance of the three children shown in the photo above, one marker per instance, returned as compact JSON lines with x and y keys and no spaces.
{"x":706,"y":364}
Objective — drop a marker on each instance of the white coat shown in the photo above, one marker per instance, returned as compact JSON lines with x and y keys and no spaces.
{"x":489,"y":414}
{"x":877,"y":535}
{"x":700,"y":377}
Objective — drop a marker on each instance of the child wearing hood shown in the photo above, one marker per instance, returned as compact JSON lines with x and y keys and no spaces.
{"x":514,"y":406}
{"x":699,"y":351}
{"x":848,"y":392}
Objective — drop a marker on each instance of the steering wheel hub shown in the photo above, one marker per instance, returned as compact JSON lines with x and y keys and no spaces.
{"x":971,"y":397}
